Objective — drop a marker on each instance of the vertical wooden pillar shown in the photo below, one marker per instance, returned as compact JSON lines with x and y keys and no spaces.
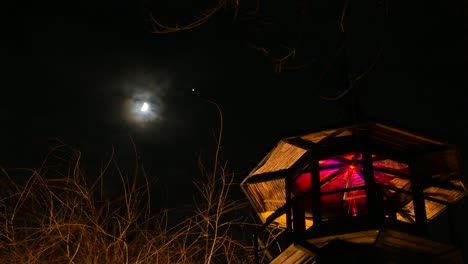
{"x":288,"y":183}
{"x":315,"y":190}
{"x":455,"y":236}
{"x":374,"y":201}
{"x":298,"y":219}
{"x":255,"y":242}
{"x":418,"y":196}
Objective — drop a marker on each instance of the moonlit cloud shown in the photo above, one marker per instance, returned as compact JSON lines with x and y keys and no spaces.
{"x":171,"y":108}
{"x":143,"y":102}
{"x":143,"y":108}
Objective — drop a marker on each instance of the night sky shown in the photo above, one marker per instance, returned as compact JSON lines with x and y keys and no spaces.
{"x":70,"y":69}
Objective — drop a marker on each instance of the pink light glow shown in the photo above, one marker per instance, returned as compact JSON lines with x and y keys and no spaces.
{"x":302,"y":183}
{"x":351,"y":156}
{"x":328,"y":162}
{"x":345,"y":176}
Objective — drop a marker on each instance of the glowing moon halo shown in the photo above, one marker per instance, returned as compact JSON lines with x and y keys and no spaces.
{"x":142,"y":110}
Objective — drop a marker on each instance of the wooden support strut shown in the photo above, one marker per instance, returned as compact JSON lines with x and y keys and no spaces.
{"x":374,"y":201}
{"x":287,"y":190}
{"x":298,"y":220}
{"x":315,"y":184}
{"x":256,"y":253}
{"x":418,"y":197}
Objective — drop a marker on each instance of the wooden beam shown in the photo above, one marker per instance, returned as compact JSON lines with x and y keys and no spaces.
{"x":298,"y":220}
{"x":374,"y":200}
{"x":289,"y":208}
{"x":418,"y":197}
{"x":343,"y":190}
{"x":302,"y":143}
{"x":392,"y":172}
{"x":267,"y":176}
{"x":315,"y":183}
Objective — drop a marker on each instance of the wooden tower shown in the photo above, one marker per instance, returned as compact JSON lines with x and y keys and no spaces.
{"x":367,"y":192}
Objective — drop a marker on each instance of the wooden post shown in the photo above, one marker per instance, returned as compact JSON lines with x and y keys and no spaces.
{"x":374,"y":201}
{"x":315,"y":190}
{"x":256,"y":256}
{"x":298,"y":219}
{"x":287,"y":190}
{"x":455,"y":236}
{"x":418,"y":196}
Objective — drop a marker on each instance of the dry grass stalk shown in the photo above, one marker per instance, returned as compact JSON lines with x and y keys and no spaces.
{"x":56,"y":215}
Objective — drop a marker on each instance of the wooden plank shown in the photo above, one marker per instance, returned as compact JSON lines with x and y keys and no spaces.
{"x":365,"y":237}
{"x":267,"y":176}
{"x":381,"y":127}
{"x":292,"y":255}
{"x":409,"y":243}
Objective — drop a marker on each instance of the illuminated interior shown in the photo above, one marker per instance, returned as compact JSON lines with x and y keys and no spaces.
{"x":342,"y":187}
{"x":343,"y":193}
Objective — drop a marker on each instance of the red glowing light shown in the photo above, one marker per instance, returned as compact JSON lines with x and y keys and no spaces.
{"x":344,"y":173}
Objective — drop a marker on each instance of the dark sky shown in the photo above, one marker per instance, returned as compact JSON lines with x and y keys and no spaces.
{"x":68,"y":68}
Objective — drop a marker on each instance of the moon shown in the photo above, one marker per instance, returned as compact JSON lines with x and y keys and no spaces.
{"x":142,"y":110}
{"x":145,"y":107}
